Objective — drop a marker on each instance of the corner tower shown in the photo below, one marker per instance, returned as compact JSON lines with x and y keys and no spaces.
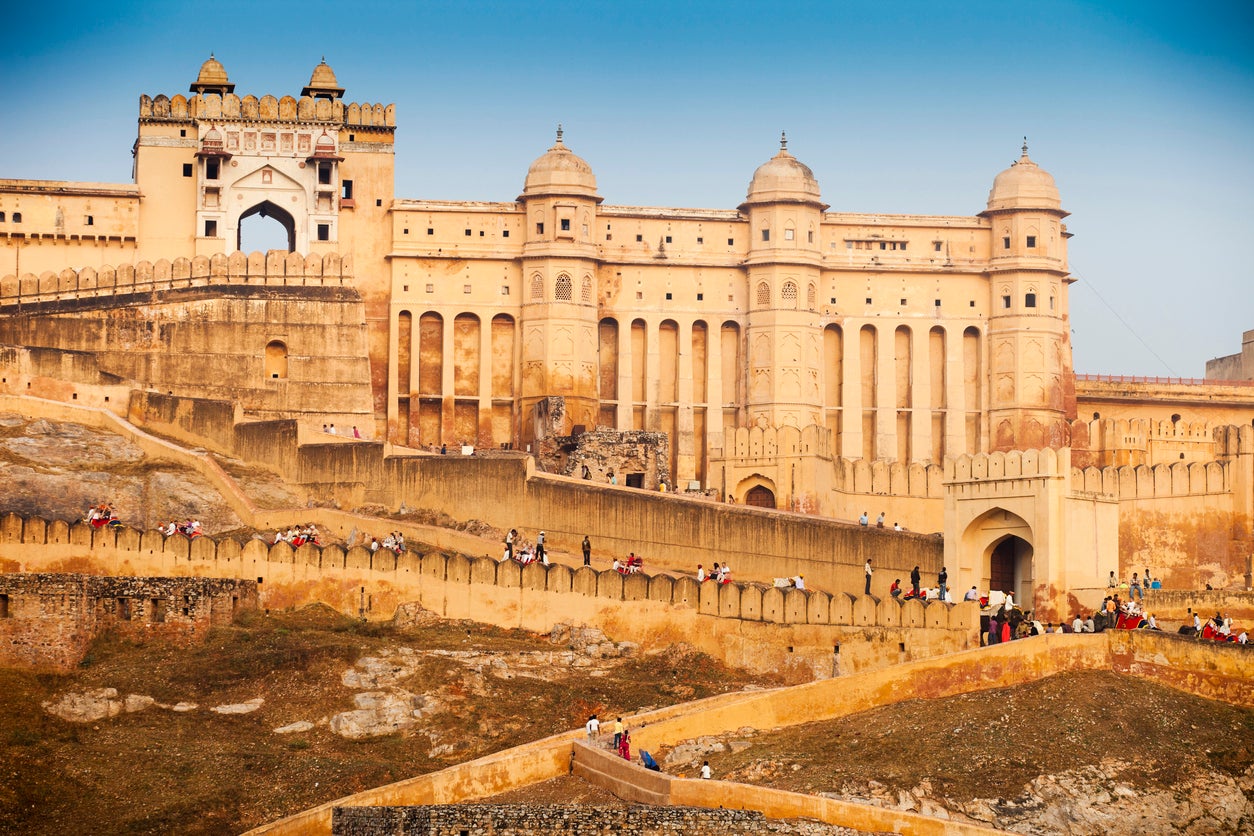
{"x":1031,"y":381}
{"x":559,"y":311}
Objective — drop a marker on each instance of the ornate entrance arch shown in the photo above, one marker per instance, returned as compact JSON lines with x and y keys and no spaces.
{"x":266,"y":209}
{"x":761,"y":496}
{"x":1001,"y":543}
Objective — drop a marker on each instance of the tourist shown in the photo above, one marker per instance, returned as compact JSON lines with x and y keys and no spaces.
{"x":613,"y":478}
{"x":705,"y":770}
{"x":897,"y":527}
{"x":895,"y":589}
{"x":1157,"y":584}
{"x":624,"y":745}
{"x":1010,"y":601}
{"x":1243,"y":638}
{"x":942,"y":581}
{"x":587,"y":551}
{"x":1151,"y":623}
{"x":1112,"y":582}
{"x":914,"y":580}
{"x":867,"y":568}
{"x":1077,"y":625}
{"x":799,"y":582}
{"x":1134,"y":587}
{"x":618,"y":567}
{"x":864,"y":520}
{"x":994,"y":630}
{"x":356,"y":432}
{"x":593,"y":728}
{"x":540,"y":548}
{"x":618,"y":732}
{"x":700,"y":573}
{"x":879,"y":521}
{"x":331,"y":429}
{"x":716,"y":574}
{"x":972,"y":595}
{"x":509,"y":542}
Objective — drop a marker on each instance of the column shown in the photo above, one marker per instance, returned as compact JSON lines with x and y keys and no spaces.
{"x":851,"y":391}
{"x":920,"y":395}
{"x":685,"y":454}
{"x":886,"y":392}
{"x":625,"y":376}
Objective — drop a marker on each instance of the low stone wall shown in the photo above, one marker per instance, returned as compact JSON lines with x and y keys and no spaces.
{"x":1205,"y":669}
{"x":529,"y":820}
{"x":48,"y":620}
{"x":1175,"y":604}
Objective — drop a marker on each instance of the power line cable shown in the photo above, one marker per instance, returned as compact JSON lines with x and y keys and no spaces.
{"x":1131,"y":330}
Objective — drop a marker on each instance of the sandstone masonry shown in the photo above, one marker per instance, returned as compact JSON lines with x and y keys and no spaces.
{"x":527,"y":820}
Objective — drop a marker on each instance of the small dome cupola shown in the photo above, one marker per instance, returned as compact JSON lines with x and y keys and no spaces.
{"x":212,"y":78}
{"x":783,"y":179}
{"x":324,"y":150}
{"x":1025,"y":185}
{"x":212,"y":144}
{"x":559,"y":171}
{"x":322,"y":84}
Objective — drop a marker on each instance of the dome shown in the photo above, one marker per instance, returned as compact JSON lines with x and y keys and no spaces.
{"x":560,"y":171}
{"x":783,"y":178}
{"x":212,"y":78}
{"x":322,"y":84}
{"x":1025,"y":185}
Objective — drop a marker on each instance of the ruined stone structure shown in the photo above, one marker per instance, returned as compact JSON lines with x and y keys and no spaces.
{"x":824,"y":362}
{"x":48,"y":620}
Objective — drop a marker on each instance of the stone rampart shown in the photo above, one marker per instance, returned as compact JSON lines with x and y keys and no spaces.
{"x":1176,"y":604}
{"x":1201,"y":668}
{"x":48,"y":620}
{"x":275,"y":268}
{"x":180,"y":108}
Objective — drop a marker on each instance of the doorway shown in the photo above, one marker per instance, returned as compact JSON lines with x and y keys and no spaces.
{"x":761,"y":496}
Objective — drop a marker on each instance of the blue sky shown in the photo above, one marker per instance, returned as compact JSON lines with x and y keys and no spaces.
{"x":1143,"y":112}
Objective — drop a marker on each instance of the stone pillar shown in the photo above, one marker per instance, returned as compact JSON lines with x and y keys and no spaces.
{"x":685,"y":452}
{"x":851,"y":393}
{"x":886,"y":393}
{"x":920,"y":395}
{"x":626,"y":377}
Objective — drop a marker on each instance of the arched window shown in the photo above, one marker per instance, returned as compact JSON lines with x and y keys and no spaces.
{"x":276,"y":360}
{"x":789,"y":293}
{"x":587,"y":289}
{"x":811,"y":297}
{"x":537,"y":287}
{"x":764,"y":295}
{"x":561,"y":291}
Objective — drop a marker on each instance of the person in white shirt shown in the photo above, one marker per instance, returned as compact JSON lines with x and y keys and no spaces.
{"x":700,"y":573}
{"x":593,"y":727}
{"x":1077,"y":626}
{"x":705,"y":770}
{"x":799,"y":582}
{"x":972,"y":595}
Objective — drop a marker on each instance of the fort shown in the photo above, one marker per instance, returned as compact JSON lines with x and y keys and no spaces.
{"x":700,"y":385}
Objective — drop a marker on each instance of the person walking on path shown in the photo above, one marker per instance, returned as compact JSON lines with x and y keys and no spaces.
{"x":618,"y":732}
{"x":705,"y":770}
{"x":915,"y":577}
{"x":593,"y":727}
{"x":868,"y":570}
{"x":942,"y":581}
{"x":587,"y":551}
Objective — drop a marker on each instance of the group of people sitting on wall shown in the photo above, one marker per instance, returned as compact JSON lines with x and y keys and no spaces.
{"x":795,"y":582}
{"x":1134,"y":586}
{"x":188,"y":528}
{"x":518,"y":550}
{"x":940,"y":592}
{"x":101,"y":515}
{"x":298,"y":535}
{"x":394,"y":542}
{"x":1218,"y":629}
{"x":633,"y":565}
{"x":719,"y":574}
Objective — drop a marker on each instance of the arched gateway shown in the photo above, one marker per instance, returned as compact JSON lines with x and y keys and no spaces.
{"x":1000,"y":542}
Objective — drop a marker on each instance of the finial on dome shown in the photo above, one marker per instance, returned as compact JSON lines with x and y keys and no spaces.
{"x":1025,"y":146}
{"x":559,"y":133}
{"x":783,"y":141}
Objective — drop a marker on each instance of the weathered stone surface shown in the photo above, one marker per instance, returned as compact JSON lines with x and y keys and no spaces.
{"x":86,"y":706}
{"x":293,"y":728}
{"x":379,"y":713}
{"x":240,"y":707}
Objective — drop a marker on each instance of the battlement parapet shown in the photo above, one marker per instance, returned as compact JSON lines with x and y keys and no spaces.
{"x":1013,"y":464}
{"x":227,"y":557}
{"x":1154,"y":481}
{"x":229,"y":107}
{"x":273,"y":268}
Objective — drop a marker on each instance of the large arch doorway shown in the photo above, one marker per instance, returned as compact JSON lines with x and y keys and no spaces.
{"x":761,"y":496}
{"x":274,"y":229}
{"x":999,"y":544}
{"x":1009,"y":561}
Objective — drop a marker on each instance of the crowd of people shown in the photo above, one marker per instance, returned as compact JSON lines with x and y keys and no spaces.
{"x":298,"y":535}
{"x":633,"y":565}
{"x":721,"y":573}
{"x":189,"y":528}
{"x":393,"y":542}
{"x":101,"y":515}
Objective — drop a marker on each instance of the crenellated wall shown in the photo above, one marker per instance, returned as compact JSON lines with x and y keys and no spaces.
{"x":275,"y":268}
{"x":180,"y":108}
{"x":810,"y":632}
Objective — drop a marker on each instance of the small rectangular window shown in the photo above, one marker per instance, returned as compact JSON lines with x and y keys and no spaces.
{"x":505,"y":234}
{"x":788,"y":234}
{"x":1029,"y":301}
{"x":187,"y":170}
{"x":810,"y":237}
{"x":668,"y":296}
{"x":700,"y":240}
{"x":1005,"y":301}
{"x":324,"y":232}
{"x":468,"y":233}
{"x":481,"y":233}
{"x":405,"y":288}
{"x":430,"y":230}
{"x":539,"y":229}
{"x":89,"y":220}
{"x":903,"y":303}
{"x":565,"y":224}
{"x":849,"y":245}
{"x":972,"y":303}
{"x":639,"y":238}
{"x":1005,"y":243}
{"x":700,"y":297}
{"x":324,"y":174}
{"x":182,"y":132}
{"x":1051,"y":303}
{"x":378,"y":201}
{"x":430,"y":288}
{"x":505,"y":290}
{"x":17,"y":217}
{"x":211,"y":229}
{"x":883,"y":245}
{"x":766,"y":235}
{"x":731,"y":242}
{"x":936,"y":302}
{"x":1031,"y":242}
{"x":466,"y":288}
{"x":346,"y":189}
{"x":211,"y":169}
{"x":668,"y":239}
{"x":4,"y":606}
{"x":936,"y":246}
{"x":609,"y":236}
{"x":868,"y":300}
{"x":1,"y":217}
